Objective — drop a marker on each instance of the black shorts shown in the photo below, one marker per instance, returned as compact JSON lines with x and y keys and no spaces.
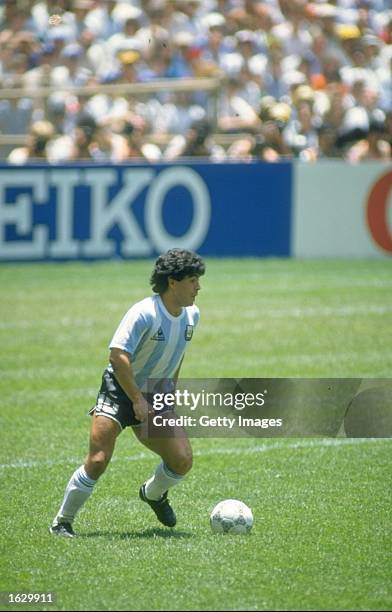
{"x":114,"y":403}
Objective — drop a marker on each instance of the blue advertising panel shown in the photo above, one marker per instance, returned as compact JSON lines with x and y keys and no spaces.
{"x":85,"y":211}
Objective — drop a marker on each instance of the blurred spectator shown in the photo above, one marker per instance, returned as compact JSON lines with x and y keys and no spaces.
{"x":40,"y":74}
{"x":196,"y":142}
{"x":180,"y":65}
{"x":234,"y":111}
{"x":41,"y":11}
{"x":105,"y":107}
{"x":102,"y":145}
{"x":78,"y":144}
{"x":36,"y":149}
{"x":103,"y":20}
{"x":386,"y":34}
{"x":132,"y":145}
{"x":270,"y":143}
{"x":80,"y":11}
{"x":16,"y":114}
{"x":293,"y":33}
{"x":242,"y":149}
{"x":276,"y":83}
{"x":384,"y":74}
{"x":327,"y":142}
{"x":172,"y":117}
{"x":130,"y":64}
{"x":301,"y":134}
{"x":70,"y":73}
{"x":373,"y":146}
{"x":215,"y":46}
{"x":61,"y":111}
{"x":130,"y":27}
{"x":188,"y":18}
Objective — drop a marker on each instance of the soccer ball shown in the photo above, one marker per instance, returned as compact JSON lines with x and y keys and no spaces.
{"x":231,"y":516}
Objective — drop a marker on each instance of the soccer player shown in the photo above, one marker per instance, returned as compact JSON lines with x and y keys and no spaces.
{"x":148,"y":344}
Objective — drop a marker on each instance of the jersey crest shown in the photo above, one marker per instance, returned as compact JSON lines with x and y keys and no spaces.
{"x":188,"y":332}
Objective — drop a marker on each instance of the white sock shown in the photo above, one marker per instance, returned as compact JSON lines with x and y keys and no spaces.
{"x":161,"y":481}
{"x":76,"y":494}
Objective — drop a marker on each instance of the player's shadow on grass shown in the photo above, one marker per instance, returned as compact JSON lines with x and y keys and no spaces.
{"x":146,"y":534}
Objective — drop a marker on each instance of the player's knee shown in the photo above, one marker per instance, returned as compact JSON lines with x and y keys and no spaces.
{"x":96,"y":464}
{"x":182,"y":462}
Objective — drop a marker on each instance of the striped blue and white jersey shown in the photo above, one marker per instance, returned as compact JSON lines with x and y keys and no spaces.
{"x":155,"y":339}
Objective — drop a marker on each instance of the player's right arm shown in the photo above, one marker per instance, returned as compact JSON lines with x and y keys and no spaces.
{"x":122,"y":368}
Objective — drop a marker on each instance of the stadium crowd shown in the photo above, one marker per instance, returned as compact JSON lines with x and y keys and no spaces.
{"x":299,"y":79}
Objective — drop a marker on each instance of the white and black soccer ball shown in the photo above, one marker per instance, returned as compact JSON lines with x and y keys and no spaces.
{"x":231,"y":516}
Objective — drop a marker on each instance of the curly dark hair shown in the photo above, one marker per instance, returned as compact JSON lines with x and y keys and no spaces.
{"x":177,"y":264}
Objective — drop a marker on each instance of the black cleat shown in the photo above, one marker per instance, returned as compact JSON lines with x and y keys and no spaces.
{"x":62,"y":529}
{"x":163,"y":510}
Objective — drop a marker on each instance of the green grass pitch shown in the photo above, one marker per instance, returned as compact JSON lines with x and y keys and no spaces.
{"x":322,"y":507}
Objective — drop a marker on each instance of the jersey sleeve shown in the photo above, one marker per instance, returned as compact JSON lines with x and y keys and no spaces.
{"x":196,"y":315}
{"x":131,"y":331}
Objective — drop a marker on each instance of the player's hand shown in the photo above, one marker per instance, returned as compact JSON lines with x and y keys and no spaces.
{"x":142,"y":408}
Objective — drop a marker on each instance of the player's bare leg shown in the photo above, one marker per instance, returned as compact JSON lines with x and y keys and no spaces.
{"x":176,"y":454}
{"x":103,"y":435}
